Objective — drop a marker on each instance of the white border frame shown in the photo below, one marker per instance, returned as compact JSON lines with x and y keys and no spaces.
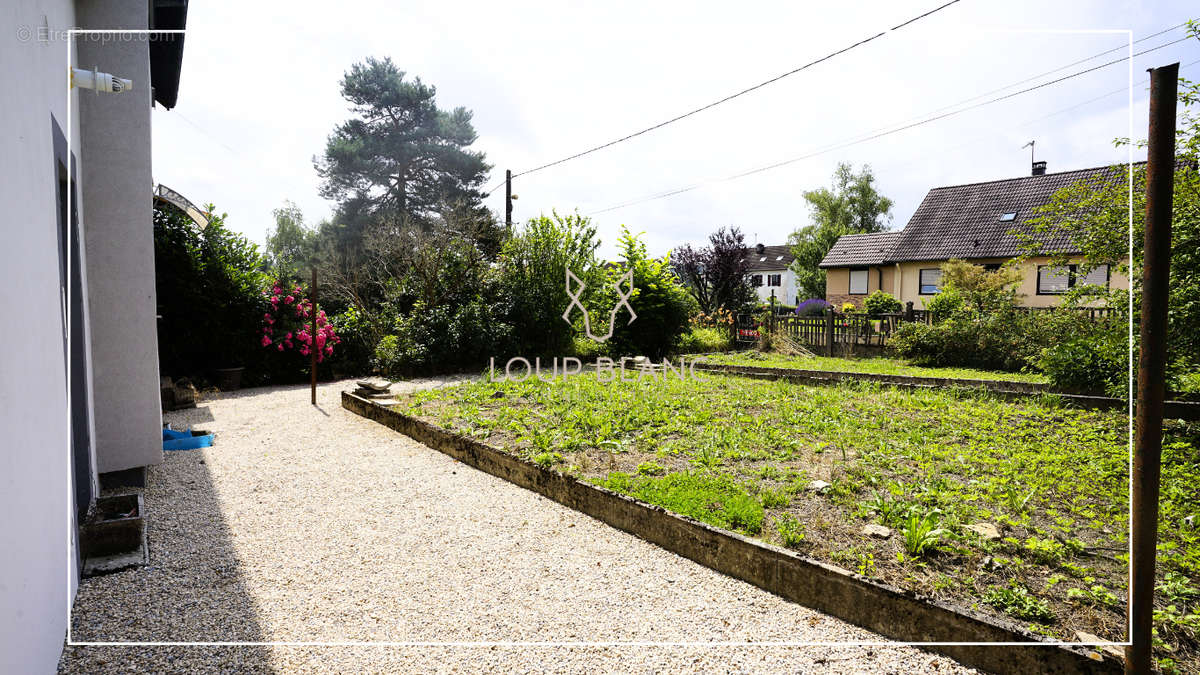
{"x":71,"y":33}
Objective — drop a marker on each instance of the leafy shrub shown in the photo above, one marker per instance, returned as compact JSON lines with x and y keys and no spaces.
{"x":1089,"y":362}
{"x":662,"y":305}
{"x":208,"y":283}
{"x":1004,"y":340}
{"x":702,"y":339}
{"x":947,"y":303}
{"x":881,"y":302}
{"x":353,"y":356}
{"x":849,"y":307}
{"x":443,"y":338}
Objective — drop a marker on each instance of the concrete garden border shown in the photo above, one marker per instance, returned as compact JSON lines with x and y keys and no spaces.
{"x":1012,"y":390}
{"x":884,"y":609}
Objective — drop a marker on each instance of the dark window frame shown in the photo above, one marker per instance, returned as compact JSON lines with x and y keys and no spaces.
{"x":775,"y":280}
{"x":756,"y":280}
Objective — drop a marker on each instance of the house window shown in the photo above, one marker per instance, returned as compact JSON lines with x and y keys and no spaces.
{"x":1097,"y":277}
{"x":756,"y":280}
{"x":1008,"y":217}
{"x":858,"y":282}
{"x":930,"y":281}
{"x":1054,"y":280}
{"x":774,"y":279}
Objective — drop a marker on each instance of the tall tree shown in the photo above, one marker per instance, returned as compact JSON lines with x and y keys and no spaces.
{"x":716,"y":274}
{"x":290,"y":244}
{"x":851,"y":205}
{"x":399,"y":157}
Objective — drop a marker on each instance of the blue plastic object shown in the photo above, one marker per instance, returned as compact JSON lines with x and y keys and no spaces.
{"x":184,"y":440}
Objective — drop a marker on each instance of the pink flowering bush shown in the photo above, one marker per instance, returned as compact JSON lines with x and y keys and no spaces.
{"x":287,"y":325}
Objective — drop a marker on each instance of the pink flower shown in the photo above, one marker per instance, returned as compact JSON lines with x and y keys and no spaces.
{"x":266,"y":341}
{"x":280,"y":347}
{"x":288,"y":300}
{"x":289,"y":335}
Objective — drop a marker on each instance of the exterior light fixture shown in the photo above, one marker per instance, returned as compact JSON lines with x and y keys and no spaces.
{"x":98,"y":81}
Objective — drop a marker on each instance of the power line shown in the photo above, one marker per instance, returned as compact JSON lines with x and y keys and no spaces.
{"x":734,"y":95}
{"x":987,"y":93}
{"x":888,"y":131}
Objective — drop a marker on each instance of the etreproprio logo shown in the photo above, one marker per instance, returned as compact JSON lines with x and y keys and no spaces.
{"x":606,"y":369}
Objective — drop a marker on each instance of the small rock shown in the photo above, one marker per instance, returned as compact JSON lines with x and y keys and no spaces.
{"x":988,"y":563}
{"x":986,"y":531}
{"x":879,"y":531}
{"x":818,"y":486}
{"x":1190,"y":521}
{"x":1084,"y":636}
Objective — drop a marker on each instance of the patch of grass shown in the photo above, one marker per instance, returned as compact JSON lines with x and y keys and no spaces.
{"x":875,"y":366}
{"x":651,"y":469}
{"x":547,"y":459}
{"x":713,"y":499}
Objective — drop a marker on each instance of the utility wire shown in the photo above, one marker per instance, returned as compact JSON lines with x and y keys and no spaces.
{"x":1009,"y":86}
{"x":888,"y":131}
{"x":734,"y":95}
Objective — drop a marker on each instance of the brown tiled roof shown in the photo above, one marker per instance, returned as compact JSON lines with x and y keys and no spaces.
{"x":963,"y":221}
{"x":771,"y":259}
{"x":860,"y":249}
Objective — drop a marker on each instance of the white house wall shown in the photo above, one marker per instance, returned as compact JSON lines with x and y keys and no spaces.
{"x":117,"y":184}
{"x":36,"y":577}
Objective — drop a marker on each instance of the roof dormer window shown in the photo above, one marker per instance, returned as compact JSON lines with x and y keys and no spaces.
{"x":1008,"y":217}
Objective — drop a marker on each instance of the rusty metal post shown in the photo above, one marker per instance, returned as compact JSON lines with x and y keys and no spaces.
{"x":1152,"y":360}
{"x":829,"y":331}
{"x":315,"y":348}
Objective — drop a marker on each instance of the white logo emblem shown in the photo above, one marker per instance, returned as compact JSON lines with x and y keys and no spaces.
{"x":622,"y":301}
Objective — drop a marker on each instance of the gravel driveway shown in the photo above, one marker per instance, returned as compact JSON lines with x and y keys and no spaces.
{"x":305,"y":524}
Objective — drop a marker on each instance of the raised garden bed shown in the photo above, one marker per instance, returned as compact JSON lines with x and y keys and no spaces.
{"x":746,"y":455}
{"x":966,"y":635}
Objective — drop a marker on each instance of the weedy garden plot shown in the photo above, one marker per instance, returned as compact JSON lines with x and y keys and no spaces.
{"x":811,"y":467}
{"x":874,"y":366}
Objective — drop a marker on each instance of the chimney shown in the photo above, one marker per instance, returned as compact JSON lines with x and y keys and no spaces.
{"x":759,"y":248}
{"x":1039,"y":168}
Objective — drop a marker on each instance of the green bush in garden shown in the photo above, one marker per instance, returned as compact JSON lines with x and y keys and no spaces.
{"x":881,"y":302}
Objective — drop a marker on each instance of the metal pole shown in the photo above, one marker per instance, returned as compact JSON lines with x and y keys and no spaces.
{"x":315,"y":348}
{"x":508,"y":198}
{"x":1152,"y":360}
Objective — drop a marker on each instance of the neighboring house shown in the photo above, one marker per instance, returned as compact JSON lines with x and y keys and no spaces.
{"x":973,"y":222}
{"x":768,"y":268}
{"x":79,"y":295}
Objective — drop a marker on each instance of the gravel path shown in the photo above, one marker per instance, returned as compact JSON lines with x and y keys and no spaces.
{"x":305,"y":524}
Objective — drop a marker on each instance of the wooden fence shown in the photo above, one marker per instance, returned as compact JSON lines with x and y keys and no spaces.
{"x":836,"y":332}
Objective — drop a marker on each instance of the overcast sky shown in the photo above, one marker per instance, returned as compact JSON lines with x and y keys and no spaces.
{"x":259,"y":95}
